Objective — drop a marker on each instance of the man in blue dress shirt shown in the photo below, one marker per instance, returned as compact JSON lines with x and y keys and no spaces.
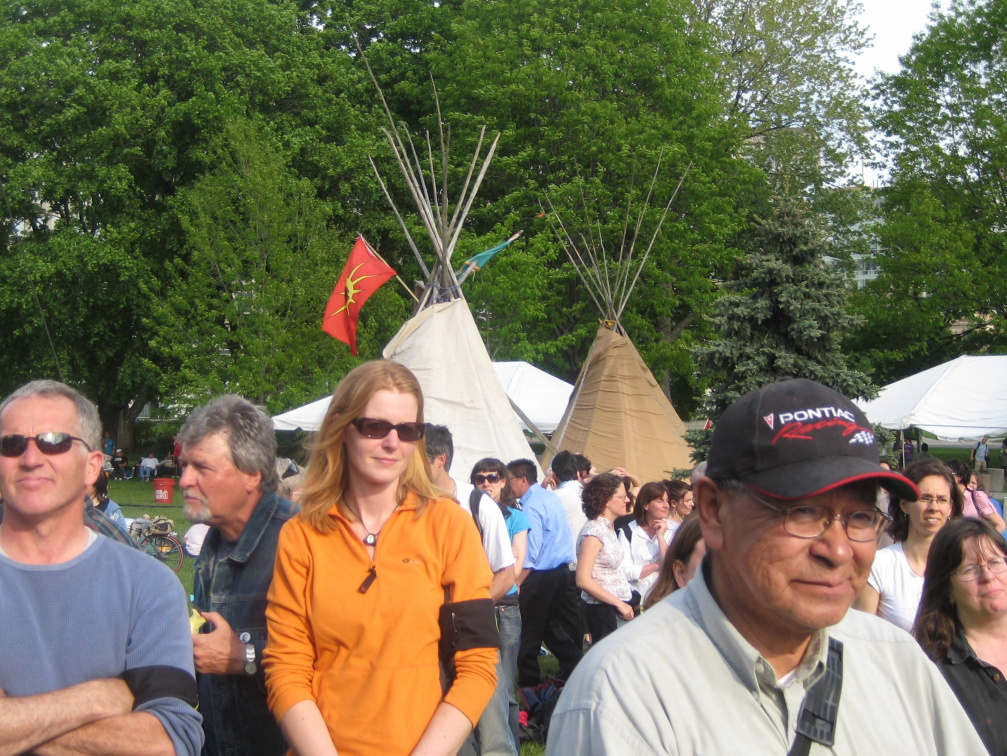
{"x":543,"y":581}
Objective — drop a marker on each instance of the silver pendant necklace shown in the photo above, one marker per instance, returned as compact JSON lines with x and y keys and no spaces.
{"x":371,"y":538}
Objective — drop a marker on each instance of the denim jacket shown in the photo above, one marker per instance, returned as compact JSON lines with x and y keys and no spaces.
{"x":236,"y":720}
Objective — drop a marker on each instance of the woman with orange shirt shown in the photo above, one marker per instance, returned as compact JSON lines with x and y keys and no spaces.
{"x":361,"y":575}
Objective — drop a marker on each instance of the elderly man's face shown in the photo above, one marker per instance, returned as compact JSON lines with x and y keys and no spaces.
{"x":777,"y":586}
{"x":216,"y":492}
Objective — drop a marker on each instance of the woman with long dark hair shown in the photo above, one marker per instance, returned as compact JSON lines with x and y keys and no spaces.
{"x":974,"y":499}
{"x":962,"y":623}
{"x":361,"y":576}
{"x":605,"y":592}
{"x":895,"y":585}
{"x":684,"y":556}
{"x":644,"y":540}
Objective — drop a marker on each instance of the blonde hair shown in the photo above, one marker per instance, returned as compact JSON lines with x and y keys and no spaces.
{"x":328,"y":474}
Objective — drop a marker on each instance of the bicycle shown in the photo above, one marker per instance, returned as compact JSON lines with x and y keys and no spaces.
{"x":157,"y":538}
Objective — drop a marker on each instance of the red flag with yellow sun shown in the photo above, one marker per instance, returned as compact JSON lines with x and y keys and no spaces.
{"x":363,"y":275}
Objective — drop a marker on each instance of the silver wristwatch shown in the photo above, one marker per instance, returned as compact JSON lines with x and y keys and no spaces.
{"x":250,"y":666}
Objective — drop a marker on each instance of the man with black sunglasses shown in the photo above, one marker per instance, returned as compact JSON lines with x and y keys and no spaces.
{"x":85,"y":666}
{"x":760,"y":652}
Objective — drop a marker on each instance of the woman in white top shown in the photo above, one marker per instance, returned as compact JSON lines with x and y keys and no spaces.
{"x":604,"y":589}
{"x":644,"y":540}
{"x":895,"y":585}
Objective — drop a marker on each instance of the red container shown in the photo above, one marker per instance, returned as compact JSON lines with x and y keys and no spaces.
{"x":164,"y":490}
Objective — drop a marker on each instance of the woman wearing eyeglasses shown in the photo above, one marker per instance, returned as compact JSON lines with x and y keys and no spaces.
{"x":490,"y":476}
{"x":895,"y":585}
{"x":352,"y":659}
{"x":605,"y":592}
{"x":962,"y":624}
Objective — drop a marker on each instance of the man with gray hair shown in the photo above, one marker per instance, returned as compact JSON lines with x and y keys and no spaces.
{"x":229,"y":482}
{"x":81,"y":671}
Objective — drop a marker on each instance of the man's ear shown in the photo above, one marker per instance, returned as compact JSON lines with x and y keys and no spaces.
{"x":252,"y":482}
{"x":92,"y":469}
{"x":710,"y":503}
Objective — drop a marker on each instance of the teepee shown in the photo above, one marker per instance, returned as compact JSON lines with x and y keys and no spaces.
{"x":617,"y":415}
{"x":441,"y":343}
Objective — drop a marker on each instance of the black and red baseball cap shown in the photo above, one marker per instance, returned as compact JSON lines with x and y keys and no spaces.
{"x":797,"y":438}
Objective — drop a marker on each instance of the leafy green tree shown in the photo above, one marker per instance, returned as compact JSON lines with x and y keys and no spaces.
{"x":941,"y":291}
{"x":785,"y":72}
{"x":584,"y":99}
{"x":782,"y":315}
{"x":933,"y":299}
{"x":242,"y":311}
{"x":107,"y":112}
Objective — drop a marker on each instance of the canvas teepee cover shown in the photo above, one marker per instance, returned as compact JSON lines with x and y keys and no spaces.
{"x":461,"y":390}
{"x":618,"y":416}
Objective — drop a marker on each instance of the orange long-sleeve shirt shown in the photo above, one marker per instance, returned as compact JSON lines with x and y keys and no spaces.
{"x":369,"y":660}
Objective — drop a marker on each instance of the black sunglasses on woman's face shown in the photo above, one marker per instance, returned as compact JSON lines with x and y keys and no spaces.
{"x":371,"y":428}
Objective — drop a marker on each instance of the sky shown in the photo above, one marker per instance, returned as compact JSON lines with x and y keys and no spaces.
{"x":893,"y":24}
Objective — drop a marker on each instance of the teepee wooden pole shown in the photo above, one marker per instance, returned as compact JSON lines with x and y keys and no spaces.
{"x":653,"y":239}
{"x":472,"y":195}
{"x":402,"y":223}
{"x":463,"y":194}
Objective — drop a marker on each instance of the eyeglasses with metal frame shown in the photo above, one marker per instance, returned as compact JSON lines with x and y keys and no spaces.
{"x":49,"y":443}
{"x":994,"y":566}
{"x":812,"y":520}
{"x":372,"y":428}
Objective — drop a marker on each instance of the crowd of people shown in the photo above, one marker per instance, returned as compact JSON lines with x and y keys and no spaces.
{"x":375,"y":602}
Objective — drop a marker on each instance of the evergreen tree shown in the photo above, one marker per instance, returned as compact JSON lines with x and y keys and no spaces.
{"x":782,"y":316}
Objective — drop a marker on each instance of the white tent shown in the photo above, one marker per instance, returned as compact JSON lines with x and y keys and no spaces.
{"x":961,"y":399}
{"x":309,"y":417}
{"x":541,"y":396}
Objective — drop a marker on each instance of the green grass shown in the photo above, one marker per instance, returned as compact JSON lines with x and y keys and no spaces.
{"x":137,"y":498}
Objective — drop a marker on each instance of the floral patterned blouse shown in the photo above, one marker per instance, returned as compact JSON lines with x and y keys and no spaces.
{"x":607,"y":571}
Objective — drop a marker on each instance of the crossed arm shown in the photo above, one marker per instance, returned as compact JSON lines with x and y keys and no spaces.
{"x":93,"y":717}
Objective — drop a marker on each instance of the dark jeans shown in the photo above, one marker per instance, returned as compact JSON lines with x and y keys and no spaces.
{"x":600,"y":619}
{"x":542,"y":598}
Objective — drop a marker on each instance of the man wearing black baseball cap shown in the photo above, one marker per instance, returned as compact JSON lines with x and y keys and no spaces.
{"x":760,"y":652}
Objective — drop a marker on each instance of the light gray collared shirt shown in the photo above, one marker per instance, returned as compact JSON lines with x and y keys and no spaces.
{"x":682,"y":680}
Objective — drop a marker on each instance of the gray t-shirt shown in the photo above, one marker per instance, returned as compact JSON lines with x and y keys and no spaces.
{"x":108,"y":610}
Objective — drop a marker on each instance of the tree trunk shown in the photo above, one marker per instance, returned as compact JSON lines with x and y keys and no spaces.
{"x":123,"y":420}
